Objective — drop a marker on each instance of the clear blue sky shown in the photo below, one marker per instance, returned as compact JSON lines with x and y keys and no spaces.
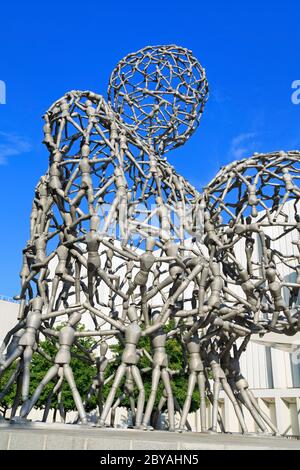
{"x":250,"y":50}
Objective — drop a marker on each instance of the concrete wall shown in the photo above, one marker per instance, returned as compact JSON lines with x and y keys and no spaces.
{"x":58,"y":437}
{"x":8,"y":317}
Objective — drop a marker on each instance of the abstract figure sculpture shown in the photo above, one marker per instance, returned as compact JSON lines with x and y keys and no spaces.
{"x":160,"y":92}
{"x":253,"y":207}
{"x":127,"y":247}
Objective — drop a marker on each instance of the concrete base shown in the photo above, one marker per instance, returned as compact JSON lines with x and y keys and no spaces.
{"x":40,"y":436}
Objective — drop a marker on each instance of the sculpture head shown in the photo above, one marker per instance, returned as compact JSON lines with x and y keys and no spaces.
{"x":94,"y":223}
{"x":150,"y":243}
{"x":160,"y":92}
{"x":132,"y":313}
{"x":103,"y":348}
{"x":74,"y":318}
{"x":37,"y":303}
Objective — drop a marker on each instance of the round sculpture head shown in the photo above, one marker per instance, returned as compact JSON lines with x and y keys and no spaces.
{"x":160,"y":92}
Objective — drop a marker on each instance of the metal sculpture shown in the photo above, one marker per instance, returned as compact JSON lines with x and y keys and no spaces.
{"x":253,"y":207}
{"x":123,"y":244}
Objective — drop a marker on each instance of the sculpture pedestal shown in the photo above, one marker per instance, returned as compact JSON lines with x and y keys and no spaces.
{"x":66,"y":437}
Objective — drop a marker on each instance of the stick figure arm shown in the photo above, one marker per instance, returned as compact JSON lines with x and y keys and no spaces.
{"x":242,"y":347}
{"x":173,"y":333}
{"x":43,"y":263}
{"x":98,"y":313}
{"x":172,"y":258}
{"x":52,"y":235}
{"x":82,"y":358}
{"x":148,"y":356}
{"x":84,"y":350}
{"x":83,"y":334}
{"x":73,"y":241}
{"x":152,"y":328}
{"x":71,"y":309}
{"x":44,"y":354}
{"x":48,"y":331}
{"x":109,"y":379}
{"x":173,"y":371}
{"x":209,"y":335}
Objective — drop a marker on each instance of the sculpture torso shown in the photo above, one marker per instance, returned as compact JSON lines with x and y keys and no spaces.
{"x":66,"y":339}
{"x":133,"y":333}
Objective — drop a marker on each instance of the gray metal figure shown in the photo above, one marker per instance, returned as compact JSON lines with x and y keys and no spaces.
{"x":219,"y":378}
{"x":159,"y":371}
{"x":196,"y":374}
{"x":25,"y":344}
{"x":66,"y":337}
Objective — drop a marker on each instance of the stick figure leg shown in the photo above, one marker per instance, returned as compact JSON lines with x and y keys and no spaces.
{"x":237,"y":409}
{"x":111,"y":396}
{"x":188,"y":400}
{"x":77,"y":398}
{"x":201,"y":386}
{"x":27,"y":356}
{"x":151,"y":400}
{"x":27,"y":407}
{"x":141,"y":398}
{"x":171,"y":414}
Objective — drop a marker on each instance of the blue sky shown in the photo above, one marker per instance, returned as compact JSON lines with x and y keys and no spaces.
{"x":250,"y":50}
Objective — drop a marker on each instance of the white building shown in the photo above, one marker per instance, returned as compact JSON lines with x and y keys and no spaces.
{"x":273,"y":373}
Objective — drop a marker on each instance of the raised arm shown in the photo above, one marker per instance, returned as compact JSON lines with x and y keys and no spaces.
{"x":73,"y":308}
{"x":48,"y":331}
{"x":98,"y":313}
{"x":82,"y":334}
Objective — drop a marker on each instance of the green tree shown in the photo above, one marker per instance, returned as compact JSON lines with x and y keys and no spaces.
{"x":8,"y":400}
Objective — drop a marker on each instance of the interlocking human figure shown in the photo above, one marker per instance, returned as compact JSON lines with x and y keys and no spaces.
{"x":122,"y":242}
{"x":253,"y":208}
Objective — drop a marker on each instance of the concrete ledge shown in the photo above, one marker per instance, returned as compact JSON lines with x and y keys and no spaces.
{"x":40,"y":436}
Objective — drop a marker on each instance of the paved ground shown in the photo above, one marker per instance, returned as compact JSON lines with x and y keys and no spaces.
{"x":56,"y":436}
